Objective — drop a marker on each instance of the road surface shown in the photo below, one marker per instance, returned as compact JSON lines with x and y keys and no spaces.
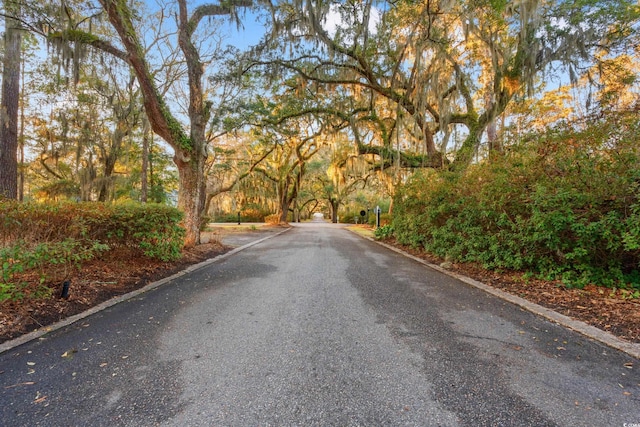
{"x":317,"y":327}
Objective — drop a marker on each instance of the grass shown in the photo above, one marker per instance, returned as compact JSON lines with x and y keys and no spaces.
{"x":363,"y":230}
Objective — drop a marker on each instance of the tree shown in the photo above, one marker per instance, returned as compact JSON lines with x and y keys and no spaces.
{"x":10,"y":102}
{"x":190,"y":147}
{"x":344,"y":172}
{"x":124,"y":105}
{"x":438,"y":65}
{"x":291,"y":148}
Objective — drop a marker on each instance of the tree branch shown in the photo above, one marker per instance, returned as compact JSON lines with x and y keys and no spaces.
{"x":78,"y":36}
{"x":205,"y":10}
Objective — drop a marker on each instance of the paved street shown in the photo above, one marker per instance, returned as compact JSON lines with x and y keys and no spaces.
{"x":317,"y":327}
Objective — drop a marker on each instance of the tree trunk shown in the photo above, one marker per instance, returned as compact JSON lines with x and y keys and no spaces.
{"x":189,"y":151}
{"x":284,"y":213}
{"x":105,"y":184}
{"x":191,"y":196}
{"x":296,"y":211}
{"x":334,"y":210}
{"x":144,"y":183}
{"x":110,"y":159}
{"x":465,"y":154}
{"x":21,"y":137}
{"x":470,"y":145}
{"x":495,"y":145}
{"x":9,"y":107}
{"x":283,"y":200}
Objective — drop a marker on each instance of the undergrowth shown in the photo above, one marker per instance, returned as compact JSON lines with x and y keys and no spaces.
{"x":48,"y":241}
{"x":562,"y":205}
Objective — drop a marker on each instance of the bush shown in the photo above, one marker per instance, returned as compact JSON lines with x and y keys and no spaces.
{"x":246,"y":215}
{"x":351,"y":217}
{"x":154,"y":229}
{"x":52,"y":239}
{"x":272,"y":219}
{"x":384,"y":232}
{"x":52,"y":261}
{"x":562,"y":205}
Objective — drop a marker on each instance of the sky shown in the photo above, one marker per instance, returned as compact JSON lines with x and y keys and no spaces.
{"x":253,"y":28}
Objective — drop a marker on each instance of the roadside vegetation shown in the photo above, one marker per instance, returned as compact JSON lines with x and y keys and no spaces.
{"x":43,"y":244}
{"x":562,"y":204}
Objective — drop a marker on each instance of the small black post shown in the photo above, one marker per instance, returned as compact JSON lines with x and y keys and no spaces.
{"x":238,"y":218}
{"x":378,"y":216}
{"x":65,"y":290}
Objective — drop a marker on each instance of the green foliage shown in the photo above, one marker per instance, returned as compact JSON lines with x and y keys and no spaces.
{"x":246,"y":215}
{"x":74,"y":36}
{"x":563,"y":205}
{"x":348,"y":216}
{"x":46,"y":258}
{"x":384,"y":232}
{"x":49,"y":240}
{"x":152,"y":228}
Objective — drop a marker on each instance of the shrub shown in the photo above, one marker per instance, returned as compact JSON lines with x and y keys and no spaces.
{"x":52,"y":239}
{"x":51,"y":260}
{"x":154,"y":229}
{"x":384,"y":232}
{"x":272,"y":219}
{"x":252,"y":215}
{"x":563,"y":204}
{"x":351,"y":217}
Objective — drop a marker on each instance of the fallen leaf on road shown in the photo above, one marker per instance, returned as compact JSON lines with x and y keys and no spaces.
{"x":102,"y":365}
{"x":31,"y":363}
{"x":69,"y":353}
{"x":40,"y":400}
{"x":19,"y":384}
{"x":628,"y":365}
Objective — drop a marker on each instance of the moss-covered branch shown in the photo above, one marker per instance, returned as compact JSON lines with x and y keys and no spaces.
{"x":83,"y":37}
{"x":390,"y":157}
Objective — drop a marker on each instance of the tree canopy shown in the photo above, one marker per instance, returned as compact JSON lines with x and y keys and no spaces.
{"x":335,"y":97}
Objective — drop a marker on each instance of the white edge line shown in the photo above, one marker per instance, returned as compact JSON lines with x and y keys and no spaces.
{"x":579,"y":326}
{"x":39,"y":333}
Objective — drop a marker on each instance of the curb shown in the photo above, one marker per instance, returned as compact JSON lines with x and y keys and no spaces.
{"x":39,"y":333}
{"x":579,"y":326}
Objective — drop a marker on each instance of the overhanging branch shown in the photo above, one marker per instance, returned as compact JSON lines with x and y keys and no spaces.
{"x":390,"y":157}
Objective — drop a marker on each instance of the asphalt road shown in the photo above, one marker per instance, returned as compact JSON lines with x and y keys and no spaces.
{"x":317,"y":327}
